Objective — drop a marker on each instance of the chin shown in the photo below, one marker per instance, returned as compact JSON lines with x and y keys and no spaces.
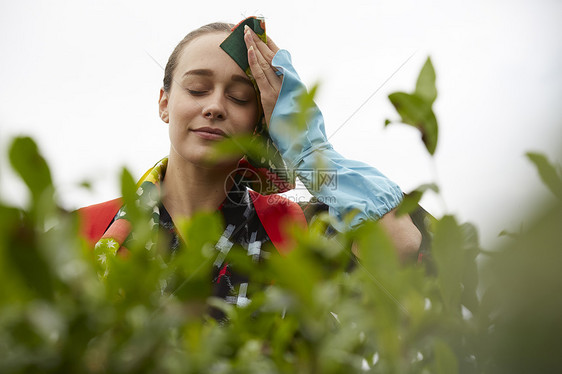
{"x":211,"y":161}
{"x":203,"y":156}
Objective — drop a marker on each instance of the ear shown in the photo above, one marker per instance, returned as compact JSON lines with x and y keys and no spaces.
{"x":163,"y":105}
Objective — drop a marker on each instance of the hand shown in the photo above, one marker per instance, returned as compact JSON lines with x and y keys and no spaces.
{"x":260,"y":56}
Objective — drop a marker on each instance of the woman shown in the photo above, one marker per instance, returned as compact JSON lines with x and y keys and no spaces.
{"x":208,"y":97}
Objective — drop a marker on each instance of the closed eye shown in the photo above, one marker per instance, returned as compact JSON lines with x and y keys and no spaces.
{"x":196,"y":93}
{"x":238,"y":100}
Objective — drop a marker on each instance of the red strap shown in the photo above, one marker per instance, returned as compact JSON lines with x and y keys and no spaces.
{"x":276,"y":213}
{"x":94,"y":219}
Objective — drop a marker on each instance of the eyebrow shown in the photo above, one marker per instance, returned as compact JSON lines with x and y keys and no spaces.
{"x":209,"y":73}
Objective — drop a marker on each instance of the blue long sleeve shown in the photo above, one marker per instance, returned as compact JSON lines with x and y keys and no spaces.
{"x":344,"y":185}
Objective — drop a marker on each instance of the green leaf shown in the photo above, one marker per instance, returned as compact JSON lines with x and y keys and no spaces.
{"x":86,"y":184}
{"x":202,"y":229}
{"x":415,"y":108}
{"x":137,"y":212}
{"x":128,"y":186}
{"x":24,"y":256}
{"x":237,"y":146}
{"x":411,"y":200}
{"x":425,"y":86}
{"x":445,"y":359}
{"x":509,"y":234}
{"x":30,"y":165}
{"x":471,"y":249}
{"x":380,"y":265}
{"x":547,"y":172}
{"x":305,"y":103}
{"x":409,"y":203}
{"x":447,"y":245}
{"x":222,"y":305}
{"x":194,"y":260}
{"x":417,"y":112}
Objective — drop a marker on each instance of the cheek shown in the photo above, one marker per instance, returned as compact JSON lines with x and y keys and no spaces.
{"x":174,"y":132}
{"x":249,"y":123}
{"x":183,"y":106}
{"x":252,"y":116}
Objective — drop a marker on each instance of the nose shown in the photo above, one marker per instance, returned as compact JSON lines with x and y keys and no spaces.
{"x":214,"y":107}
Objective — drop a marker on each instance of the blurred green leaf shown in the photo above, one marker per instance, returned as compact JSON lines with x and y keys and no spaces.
{"x":128,"y":187}
{"x":236,"y":146}
{"x":22,"y":252}
{"x":86,"y":184}
{"x":425,"y":86}
{"x":508,"y":234}
{"x":445,"y":360}
{"x":130,"y":196}
{"x":447,"y":244}
{"x":305,"y":103}
{"x":471,"y":249}
{"x":547,"y":172}
{"x":194,"y":260}
{"x":30,"y":165}
{"x":201,"y":230}
{"x":412,"y":199}
{"x":12,"y":221}
{"x":523,"y":299}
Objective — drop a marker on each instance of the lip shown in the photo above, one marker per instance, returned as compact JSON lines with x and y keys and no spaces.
{"x":210,"y":133}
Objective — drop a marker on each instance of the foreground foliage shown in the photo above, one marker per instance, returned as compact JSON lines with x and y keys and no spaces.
{"x":65,"y":307}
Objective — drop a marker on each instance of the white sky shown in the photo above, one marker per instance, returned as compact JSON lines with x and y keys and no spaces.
{"x":78,"y":77}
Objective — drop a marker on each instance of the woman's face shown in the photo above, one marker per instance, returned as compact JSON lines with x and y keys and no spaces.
{"x":210,"y":98}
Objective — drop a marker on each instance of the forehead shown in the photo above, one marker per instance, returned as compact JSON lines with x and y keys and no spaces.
{"x":204,"y":52}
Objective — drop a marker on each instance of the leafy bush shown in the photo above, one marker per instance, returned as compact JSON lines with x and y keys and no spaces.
{"x":66,"y":307}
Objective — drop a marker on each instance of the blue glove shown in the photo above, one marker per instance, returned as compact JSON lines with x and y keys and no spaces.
{"x":344,"y":185}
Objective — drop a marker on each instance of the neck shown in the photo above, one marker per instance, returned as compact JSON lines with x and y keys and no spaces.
{"x":189,"y":188}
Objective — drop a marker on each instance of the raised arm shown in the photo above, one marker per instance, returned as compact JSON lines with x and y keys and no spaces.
{"x":359,"y":187}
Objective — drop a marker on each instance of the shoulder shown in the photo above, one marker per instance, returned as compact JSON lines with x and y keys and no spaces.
{"x":95,"y":219}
